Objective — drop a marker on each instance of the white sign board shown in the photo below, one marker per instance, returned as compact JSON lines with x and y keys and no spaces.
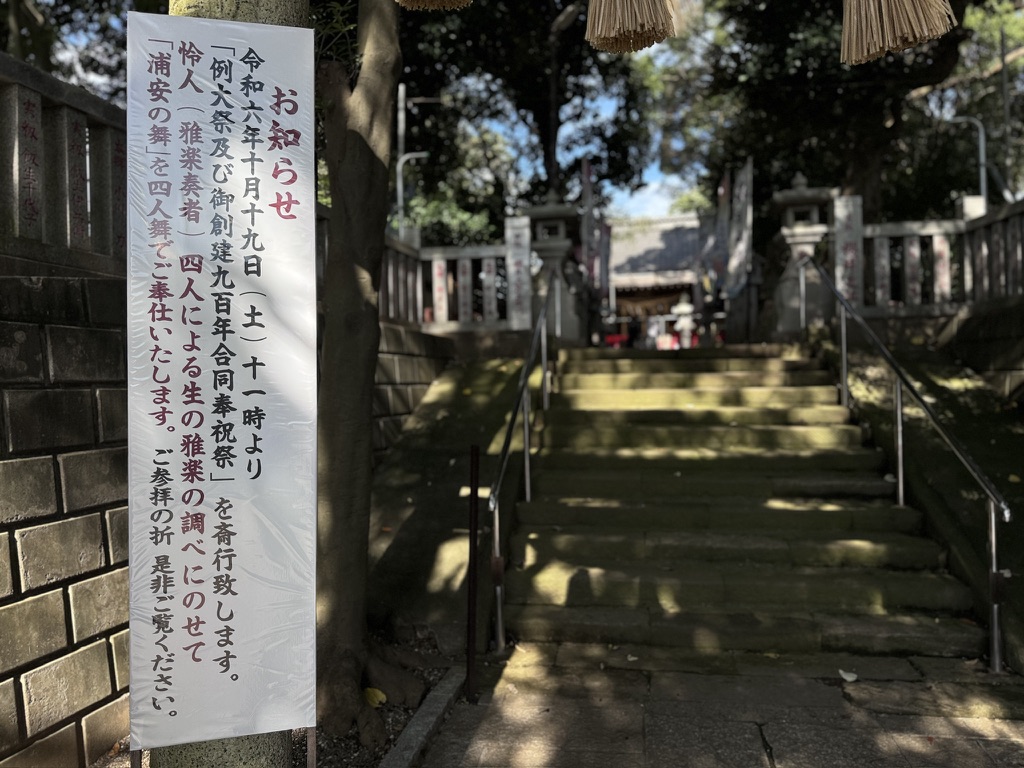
{"x":222,"y":379}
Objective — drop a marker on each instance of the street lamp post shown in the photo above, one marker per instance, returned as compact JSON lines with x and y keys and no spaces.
{"x":982,"y":160}
{"x":400,"y":186}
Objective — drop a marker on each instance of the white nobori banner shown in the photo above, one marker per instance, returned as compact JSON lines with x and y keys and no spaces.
{"x":222,"y":379}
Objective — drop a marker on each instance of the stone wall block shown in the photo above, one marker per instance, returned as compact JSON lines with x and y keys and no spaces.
{"x":105,"y":727}
{"x":58,"y":750}
{"x":93,"y":478}
{"x":107,"y":301}
{"x":98,"y":604}
{"x":85,"y":354}
{"x":48,"y":418}
{"x":387,"y":369}
{"x":30,"y":629}
{"x":8,"y":717}
{"x":56,"y":551}
{"x":119,"y":648}
{"x":63,"y":687}
{"x":21,"y":353}
{"x":117,"y":534}
{"x":27,"y":489}
{"x":113,"y":411}
{"x":6,"y":574}
{"x":67,"y":200}
{"x":42,"y":300}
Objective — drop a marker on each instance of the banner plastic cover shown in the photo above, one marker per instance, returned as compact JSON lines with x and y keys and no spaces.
{"x":222,"y":379}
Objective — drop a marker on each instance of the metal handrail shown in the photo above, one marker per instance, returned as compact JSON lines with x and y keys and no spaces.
{"x":996,"y":502}
{"x":538,"y":344}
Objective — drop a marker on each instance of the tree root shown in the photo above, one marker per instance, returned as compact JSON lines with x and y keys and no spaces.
{"x":343,"y":678}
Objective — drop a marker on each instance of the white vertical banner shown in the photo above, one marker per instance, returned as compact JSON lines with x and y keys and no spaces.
{"x":465,"y":290}
{"x":912,"y":270}
{"x":848,"y":242}
{"x":222,"y":379}
{"x":517,"y":265}
{"x":439,"y":272}
{"x":490,"y":285}
{"x":943,"y":276}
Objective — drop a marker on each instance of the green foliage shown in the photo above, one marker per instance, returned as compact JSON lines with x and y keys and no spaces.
{"x":81,"y":41}
{"x":500,"y":65}
{"x":763,"y":79}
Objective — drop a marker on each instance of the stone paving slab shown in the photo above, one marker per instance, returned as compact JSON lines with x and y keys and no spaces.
{"x":575,"y":705}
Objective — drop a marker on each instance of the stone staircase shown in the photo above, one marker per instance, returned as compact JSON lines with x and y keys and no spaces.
{"x":720,"y":500}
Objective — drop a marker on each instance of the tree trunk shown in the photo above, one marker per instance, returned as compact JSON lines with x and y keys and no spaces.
{"x":357,"y":127}
{"x":265,"y":750}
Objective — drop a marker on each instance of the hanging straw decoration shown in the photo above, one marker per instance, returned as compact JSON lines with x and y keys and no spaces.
{"x":873,"y":28}
{"x":624,"y":26}
{"x":434,"y":5}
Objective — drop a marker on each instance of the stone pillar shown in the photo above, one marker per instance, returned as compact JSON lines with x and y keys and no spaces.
{"x":67,"y":198}
{"x":21,"y":163}
{"x":109,"y":190}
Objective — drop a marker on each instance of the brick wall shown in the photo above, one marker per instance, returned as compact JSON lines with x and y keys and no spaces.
{"x":63,"y":520}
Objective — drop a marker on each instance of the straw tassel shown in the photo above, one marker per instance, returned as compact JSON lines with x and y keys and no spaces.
{"x":873,"y":28}
{"x":434,"y":5}
{"x":624,"y":26}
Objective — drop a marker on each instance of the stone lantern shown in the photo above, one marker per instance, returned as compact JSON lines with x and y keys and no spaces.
{"x":803,"y":232}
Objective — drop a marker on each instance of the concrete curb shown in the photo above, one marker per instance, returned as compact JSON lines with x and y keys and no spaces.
{"x":415,"y":737}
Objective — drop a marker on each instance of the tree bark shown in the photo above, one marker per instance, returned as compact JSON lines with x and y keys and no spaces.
{"x":357,"y":121}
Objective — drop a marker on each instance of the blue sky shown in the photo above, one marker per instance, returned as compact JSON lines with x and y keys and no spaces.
{"x":652,"y":200}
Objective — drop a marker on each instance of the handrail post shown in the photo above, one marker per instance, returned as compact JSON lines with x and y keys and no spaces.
{"x":545,"y":381}
{"x":556,"y":284}
{"x":526,"y":441}
{"x":897,"y":399}
{"x":844,"y":345}
{"x":497,"y":575}
{"x":803,"y":295}
{"x":995,"y":583}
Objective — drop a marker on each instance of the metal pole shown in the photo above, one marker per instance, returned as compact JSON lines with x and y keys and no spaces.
{"x":982,"y":155}
{"x":472,"y":569}
{"x":400,"y":186}
{"x":545,"y":382}
{"x":897,"y":398}
{"x":311,"y":747}
{"x":995,"y":579}
{"x":401,"y":119}
{"x":803,"y":296}
{"x":135,"y":758}
{"x":845,"y":384}
{"x":556,"y":284}
{"x":526,"y":440}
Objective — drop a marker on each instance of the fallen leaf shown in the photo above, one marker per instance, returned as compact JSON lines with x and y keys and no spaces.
{"x":631,"y":657}
{"x":1014,"y":478}
{"x":374,"y":696}
{"x":848,"y":676}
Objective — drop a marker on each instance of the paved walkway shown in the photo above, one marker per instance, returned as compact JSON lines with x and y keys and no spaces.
{"x":584,"y":706}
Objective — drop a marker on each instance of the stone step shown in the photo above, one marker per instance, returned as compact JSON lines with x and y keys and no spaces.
{"x":725,"y":514}
{"x":707,"y":380}
{"x":715,"y":632}
{"x":699,"y":353}
{"x":681,"y":586}
{"x":750,"y":438}
{"x":625,"y":415}
{"x":671,"y":399}
{"x":534,"y":545}
{"x":647,"y":365}
{"x":651,"y":485}
{"x":858,"y":459}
